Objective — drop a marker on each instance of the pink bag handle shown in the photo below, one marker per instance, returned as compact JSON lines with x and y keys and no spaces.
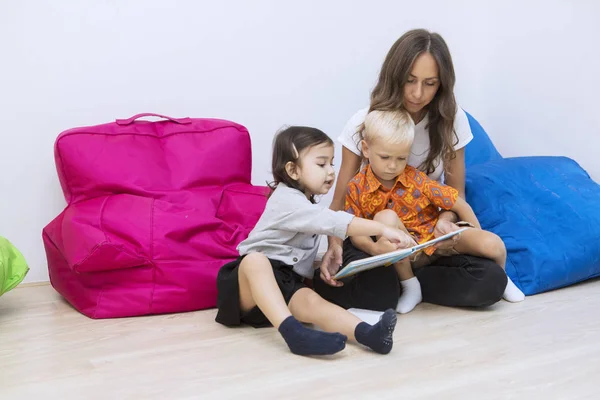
{"x":128,"y":121}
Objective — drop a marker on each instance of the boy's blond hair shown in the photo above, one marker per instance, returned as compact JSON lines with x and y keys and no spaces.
{"x":395,"y":127}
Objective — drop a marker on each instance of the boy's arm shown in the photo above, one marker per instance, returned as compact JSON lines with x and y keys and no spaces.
{"x":448,"y":215}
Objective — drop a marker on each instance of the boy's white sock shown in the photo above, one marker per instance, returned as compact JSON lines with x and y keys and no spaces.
{"x":512,"y":293}
{"x":411,"y":295}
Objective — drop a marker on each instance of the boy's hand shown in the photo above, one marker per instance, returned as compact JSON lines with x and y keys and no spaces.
{"x":444,"y":227}
{"x":401,"y":239}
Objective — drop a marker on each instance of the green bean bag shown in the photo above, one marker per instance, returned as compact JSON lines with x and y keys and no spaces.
{"x":13,"y":266}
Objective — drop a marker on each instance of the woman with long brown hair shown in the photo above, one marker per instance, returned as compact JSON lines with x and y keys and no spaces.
{"x":417,"y":76}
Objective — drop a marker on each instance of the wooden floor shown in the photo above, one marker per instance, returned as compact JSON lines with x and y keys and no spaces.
{"x":547,"y":347}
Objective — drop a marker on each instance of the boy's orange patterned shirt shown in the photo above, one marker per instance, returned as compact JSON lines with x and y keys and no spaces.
{"x":415,"y":197}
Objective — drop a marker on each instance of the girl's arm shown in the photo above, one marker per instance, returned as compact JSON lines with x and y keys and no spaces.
{"x":366,"y":227}
{"x":362,"y":228}
{"x":291,"y":211}
{"x":367,"y":245}
{"x":364,"y":243}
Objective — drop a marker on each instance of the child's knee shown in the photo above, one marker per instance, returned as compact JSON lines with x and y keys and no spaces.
{"x":313,"y":300}
{"x":307,"y":299}
{"x":388,"y":217}
{"x":254,"y":262}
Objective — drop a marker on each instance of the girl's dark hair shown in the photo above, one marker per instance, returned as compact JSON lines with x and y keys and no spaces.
{"x":287,"y":146}
{"x":389,"y":92}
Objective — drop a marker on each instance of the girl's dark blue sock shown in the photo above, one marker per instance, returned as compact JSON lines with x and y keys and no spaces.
{"x":379,"y":337}
{"x":306,"y":342}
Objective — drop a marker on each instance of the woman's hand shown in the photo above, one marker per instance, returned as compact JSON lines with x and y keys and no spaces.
{"x":331,"y":263}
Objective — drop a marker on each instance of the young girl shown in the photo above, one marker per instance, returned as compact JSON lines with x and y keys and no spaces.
{"x":265,"y":285}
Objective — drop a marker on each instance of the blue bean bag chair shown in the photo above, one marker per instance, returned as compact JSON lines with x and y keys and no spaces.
{"x":546,"y":209}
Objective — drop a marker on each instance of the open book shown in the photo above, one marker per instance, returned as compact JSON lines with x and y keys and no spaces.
{"x":389,"y":258}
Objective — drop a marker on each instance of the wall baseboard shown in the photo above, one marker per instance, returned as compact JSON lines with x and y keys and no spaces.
{"x":32,"y":284}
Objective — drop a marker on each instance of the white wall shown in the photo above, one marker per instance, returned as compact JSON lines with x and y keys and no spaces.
{"x":527,"y":70}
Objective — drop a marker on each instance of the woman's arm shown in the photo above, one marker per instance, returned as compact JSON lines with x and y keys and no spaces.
{"x":455,"y":172}
{"x":455,"y":177}
{"x":350,"y":167}
{"x":465,"y":212}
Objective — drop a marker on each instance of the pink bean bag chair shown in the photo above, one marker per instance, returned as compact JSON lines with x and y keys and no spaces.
{"x":154,"y":210}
